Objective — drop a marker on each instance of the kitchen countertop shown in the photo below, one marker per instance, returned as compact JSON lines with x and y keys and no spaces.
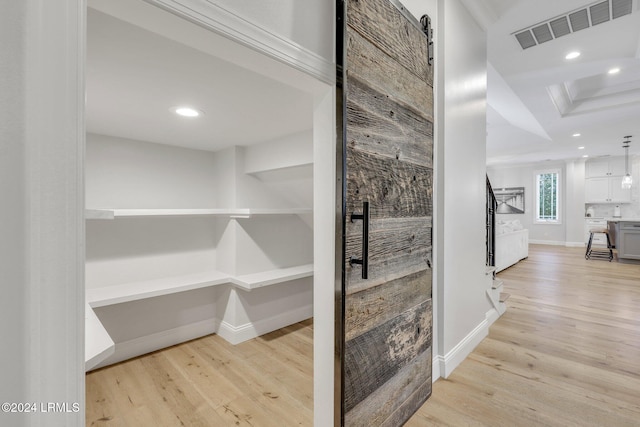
{"x":622,"y":219}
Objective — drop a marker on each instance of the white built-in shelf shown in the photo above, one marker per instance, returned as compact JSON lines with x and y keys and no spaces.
{"x":266,"y":278}
{"x":116,"y":294}
{"x":98,"y":345}
{"x":231,"y":213}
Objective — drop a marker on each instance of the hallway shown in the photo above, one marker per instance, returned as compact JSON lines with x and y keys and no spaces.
{"x":566,"y":352}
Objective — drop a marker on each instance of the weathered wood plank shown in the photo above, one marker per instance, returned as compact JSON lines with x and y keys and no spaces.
{"x":383,"y":25}
{"x":397,"y":247}
{"x":393,"y":188}
{"x":412,"y":379}
{"x":375,"y":306}
{"x":411,"y":404}
{"x":386,"y":75}
{"x":385,"y":127}
{"x":373,"y":358}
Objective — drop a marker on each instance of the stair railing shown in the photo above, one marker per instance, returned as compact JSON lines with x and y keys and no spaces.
{"x":492,"y":205}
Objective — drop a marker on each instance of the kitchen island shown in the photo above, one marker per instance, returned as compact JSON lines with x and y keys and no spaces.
{"x":626,"y":237}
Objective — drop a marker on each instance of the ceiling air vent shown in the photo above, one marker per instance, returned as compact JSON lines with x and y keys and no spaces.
{"x":542,"y":33}
{"x":572,"y":21}
{"x":620,"y":8}
{"x":525,"y":39}
{"x":560,"y":27}
{"x":579,"y":20}
{"x":599,"y":13}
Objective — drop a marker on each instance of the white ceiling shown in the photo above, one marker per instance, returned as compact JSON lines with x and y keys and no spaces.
{"x":537,"y":99}
{"x":135,"y":76}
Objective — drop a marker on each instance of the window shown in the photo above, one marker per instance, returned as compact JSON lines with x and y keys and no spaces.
{"x":548,"y":197}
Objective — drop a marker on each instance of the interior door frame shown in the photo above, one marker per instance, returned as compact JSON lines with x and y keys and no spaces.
{"x":54,"y":366}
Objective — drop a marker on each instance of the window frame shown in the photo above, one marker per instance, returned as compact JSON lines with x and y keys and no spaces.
{"x":536,"y":175}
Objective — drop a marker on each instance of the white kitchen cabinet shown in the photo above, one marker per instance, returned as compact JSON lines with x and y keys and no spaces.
{"x":606,"y":190}
{"x":610,"y":166}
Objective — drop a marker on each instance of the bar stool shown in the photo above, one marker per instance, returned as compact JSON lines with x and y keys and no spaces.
{"x":596,"y":252}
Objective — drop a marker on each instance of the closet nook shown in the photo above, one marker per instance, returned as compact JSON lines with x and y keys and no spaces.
{"x":184,"y":237}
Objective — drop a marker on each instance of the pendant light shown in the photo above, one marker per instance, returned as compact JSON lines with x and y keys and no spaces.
{"x":627,"y":180}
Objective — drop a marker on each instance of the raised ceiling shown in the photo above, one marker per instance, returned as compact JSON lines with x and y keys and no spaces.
{"x":537,"y":99}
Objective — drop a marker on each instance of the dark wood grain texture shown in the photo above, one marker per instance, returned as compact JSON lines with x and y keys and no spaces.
{"x":382,"y":24}
{"x":375,"y":306}
{"x":397,"y":247}
{"x":393,"y":188}
{"x":389,"y":163}
{"x":389,"y":400}
{"x":384,"y":127}
{"x":385,"y":75}
{"x":375,"y":357}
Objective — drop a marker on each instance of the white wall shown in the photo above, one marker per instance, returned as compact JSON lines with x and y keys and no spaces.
{"x":571,"y":230}
{"x":14,"y":332}
{"x":462,"y":141}
{"x":41,"y":188}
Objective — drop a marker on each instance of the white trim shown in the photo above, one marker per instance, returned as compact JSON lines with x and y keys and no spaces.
{"x":234,"y":334}
{"x":437,"y":366}
{"x":54,"y":169}
{"x":238,"y":334}
{"x":492,"y":315}
{"x":559,"y":196}
{"x":148,"y":343}
{"x":547,"y":242}
{"x":464,"y":348}
{"x":228,"y":24}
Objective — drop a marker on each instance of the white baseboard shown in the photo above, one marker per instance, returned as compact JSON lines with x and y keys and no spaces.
{"x":148,"y":343}
{"x":460,"y":352}
{"x":492,"y":315}
{"x":234,"y":334}
{"x":547,"y":242}
{"x":436,"y":368}
{"x":238,"y":334}
{"x":575,"y":244}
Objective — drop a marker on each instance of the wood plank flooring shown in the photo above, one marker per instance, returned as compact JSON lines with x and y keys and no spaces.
{"x":566,"y":352}
{"x":267,"y":381}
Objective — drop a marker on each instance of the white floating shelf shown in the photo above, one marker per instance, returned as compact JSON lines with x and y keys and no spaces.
{"x":232,"y":213}
{"x":98,"y":345}
{"x":108,"y":295}
{"x":266,"y":278}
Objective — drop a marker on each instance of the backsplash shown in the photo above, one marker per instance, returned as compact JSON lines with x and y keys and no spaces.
{"x":606,"y":210}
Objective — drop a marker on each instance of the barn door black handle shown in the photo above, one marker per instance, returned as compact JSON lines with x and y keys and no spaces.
{"x":364,"y":261}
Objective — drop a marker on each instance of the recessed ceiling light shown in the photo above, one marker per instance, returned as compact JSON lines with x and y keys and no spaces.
{"x":614,"y":70}
{"x":585,"y":156}
{"x":580,"y":148}
{"x":186,"y":111}
{"x":572,"y":55}
{"x":575,"y":135}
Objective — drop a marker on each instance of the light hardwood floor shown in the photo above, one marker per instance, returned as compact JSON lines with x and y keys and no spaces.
{"x":566,"y":353}
{"x":267,"y":381}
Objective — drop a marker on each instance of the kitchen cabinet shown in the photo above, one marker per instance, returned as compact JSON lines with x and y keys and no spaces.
{"x":610,"y":166}
{"x":606,"y":190}
{"x":629,"y":240}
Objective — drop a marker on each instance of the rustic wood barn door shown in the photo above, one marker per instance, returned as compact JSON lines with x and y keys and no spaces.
{"x":385,"y":85}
